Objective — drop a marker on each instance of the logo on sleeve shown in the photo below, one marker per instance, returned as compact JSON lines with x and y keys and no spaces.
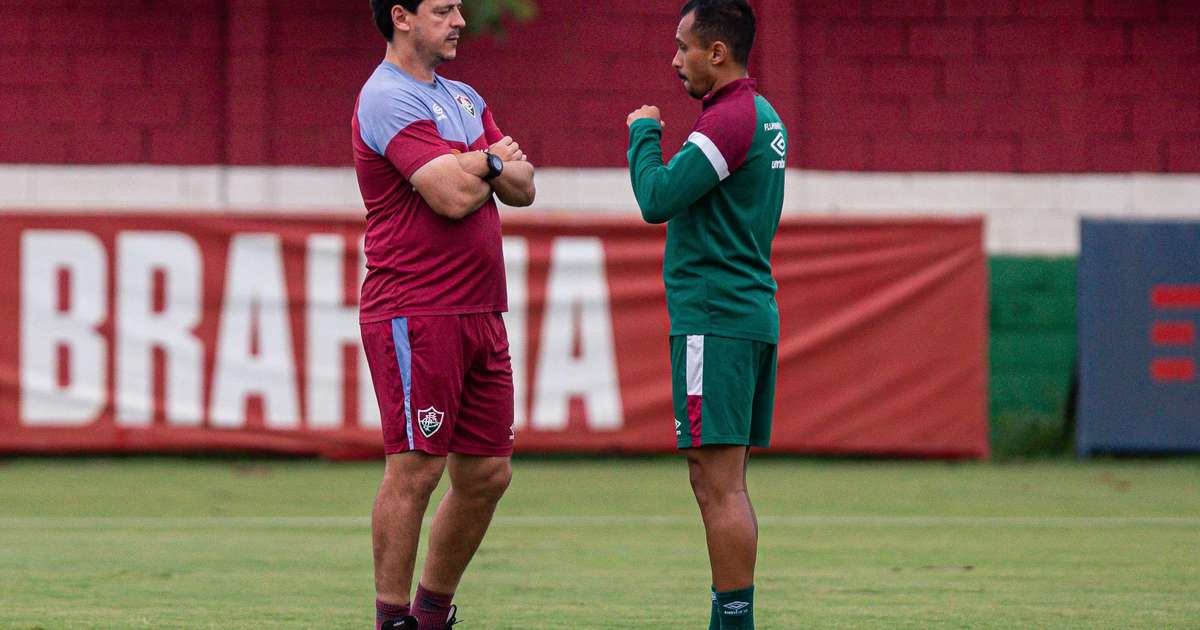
{"x":430,"y":420}
{"x":779,"y":145}
{"x":465,"y":103}
{"x":438,"y":111}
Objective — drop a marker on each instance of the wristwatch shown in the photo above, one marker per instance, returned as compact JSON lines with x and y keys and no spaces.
{"x":495,"y":166}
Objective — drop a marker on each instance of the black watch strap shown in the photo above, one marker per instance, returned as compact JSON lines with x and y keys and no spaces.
{"x":495,"y":166}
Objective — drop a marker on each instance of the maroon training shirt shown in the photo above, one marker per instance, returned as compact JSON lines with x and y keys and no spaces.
{"x":418,"y":262}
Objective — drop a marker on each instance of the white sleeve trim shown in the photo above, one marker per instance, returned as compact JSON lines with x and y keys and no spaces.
{"x":712,"y":153}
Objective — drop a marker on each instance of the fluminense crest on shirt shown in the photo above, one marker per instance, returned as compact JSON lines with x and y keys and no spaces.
{"x":466,"y":104}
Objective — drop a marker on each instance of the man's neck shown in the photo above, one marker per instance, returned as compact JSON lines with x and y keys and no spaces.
{"x":408,"y":61}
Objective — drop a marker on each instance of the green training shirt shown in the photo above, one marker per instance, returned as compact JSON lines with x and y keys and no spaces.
{"x":721,"y":197}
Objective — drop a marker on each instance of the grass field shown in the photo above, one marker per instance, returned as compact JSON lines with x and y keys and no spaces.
{"x":593,"y":543}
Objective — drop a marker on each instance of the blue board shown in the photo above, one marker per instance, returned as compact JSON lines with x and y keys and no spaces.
{"x":1139,"y":317}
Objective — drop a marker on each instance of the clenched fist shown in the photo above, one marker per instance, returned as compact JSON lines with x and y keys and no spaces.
{"x":645,"y":111}
{"x":508,"y":150}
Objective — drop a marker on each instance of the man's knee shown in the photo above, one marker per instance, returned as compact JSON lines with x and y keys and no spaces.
{"x":413,"y":475}
{"x":497,"y":481}
{"x":700,"y":486}
{"x":712,"y":482}
{"x":484,"y":483}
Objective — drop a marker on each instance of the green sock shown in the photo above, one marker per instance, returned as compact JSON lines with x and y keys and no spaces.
{"x":714,"y":621}
{"x":737,"y":609}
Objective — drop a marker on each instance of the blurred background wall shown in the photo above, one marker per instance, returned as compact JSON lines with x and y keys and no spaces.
{"x":1031,"y":113}
{"x":1025,"y":86}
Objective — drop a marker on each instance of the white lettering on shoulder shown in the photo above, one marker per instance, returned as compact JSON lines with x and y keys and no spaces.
{"x":775,"y":126}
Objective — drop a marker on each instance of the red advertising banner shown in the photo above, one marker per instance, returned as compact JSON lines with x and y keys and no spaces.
{"x":173,"y":332}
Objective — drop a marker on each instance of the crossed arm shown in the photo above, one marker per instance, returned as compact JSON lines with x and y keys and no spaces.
{"x":454,"y":187}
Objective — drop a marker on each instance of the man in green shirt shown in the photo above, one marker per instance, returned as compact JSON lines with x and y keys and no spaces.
{"x":721,"y":197}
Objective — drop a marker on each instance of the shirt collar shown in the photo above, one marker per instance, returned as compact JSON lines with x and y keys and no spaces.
{"x":712,"y":98}
{"x":400,"y":71}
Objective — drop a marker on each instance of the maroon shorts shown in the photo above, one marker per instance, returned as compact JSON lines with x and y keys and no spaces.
{"x":444,"y":383}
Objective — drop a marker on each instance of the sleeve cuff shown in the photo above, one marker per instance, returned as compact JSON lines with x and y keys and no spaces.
{"x":646,"y":124}
{"x":408,"y":165}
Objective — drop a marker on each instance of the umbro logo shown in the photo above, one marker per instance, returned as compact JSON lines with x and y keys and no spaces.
{"x":438,"y":111}
{"x":779,"y":144}
{"x":678,"y":425}
{"x":736,"y":608}
{"x":430,"y":420}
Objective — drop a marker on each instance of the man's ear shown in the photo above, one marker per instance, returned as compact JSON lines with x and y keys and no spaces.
{"x":400,"y":19}
{"x":719,"y":53}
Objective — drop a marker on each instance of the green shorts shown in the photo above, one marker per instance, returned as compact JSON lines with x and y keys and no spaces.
{"x":723,"y":390}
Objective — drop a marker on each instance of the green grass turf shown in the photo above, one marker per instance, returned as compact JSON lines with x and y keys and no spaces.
{"x":596,"y":543}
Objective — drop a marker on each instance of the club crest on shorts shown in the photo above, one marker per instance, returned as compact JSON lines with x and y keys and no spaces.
{"x":430,"y":420}
{"x":466,"y":104}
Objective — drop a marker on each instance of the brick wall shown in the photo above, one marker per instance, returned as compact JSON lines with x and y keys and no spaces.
{"x":103,"y":82}
{"x":887,"y":85}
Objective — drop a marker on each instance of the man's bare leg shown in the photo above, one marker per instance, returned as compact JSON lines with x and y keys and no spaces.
{"x":408,"y":481}
{"x":462,"y":519}
{"x":463,"y":516}
{"x":718,"y":476}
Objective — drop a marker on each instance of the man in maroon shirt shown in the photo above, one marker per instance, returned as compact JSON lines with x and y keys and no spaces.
{"x":429,"y":158}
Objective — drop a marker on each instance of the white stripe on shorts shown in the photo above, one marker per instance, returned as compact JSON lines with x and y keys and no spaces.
{"x":695,"y":365}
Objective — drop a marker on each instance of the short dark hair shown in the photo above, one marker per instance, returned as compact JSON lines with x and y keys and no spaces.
{"x":383,"y":14}
{"x":730,"y":21}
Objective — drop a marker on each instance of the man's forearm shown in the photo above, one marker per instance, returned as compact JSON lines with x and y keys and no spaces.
{"x":515,"y":185}
{"x":664,"y":191}
{"x":475,"y":188}
{"x":645,"y":162}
